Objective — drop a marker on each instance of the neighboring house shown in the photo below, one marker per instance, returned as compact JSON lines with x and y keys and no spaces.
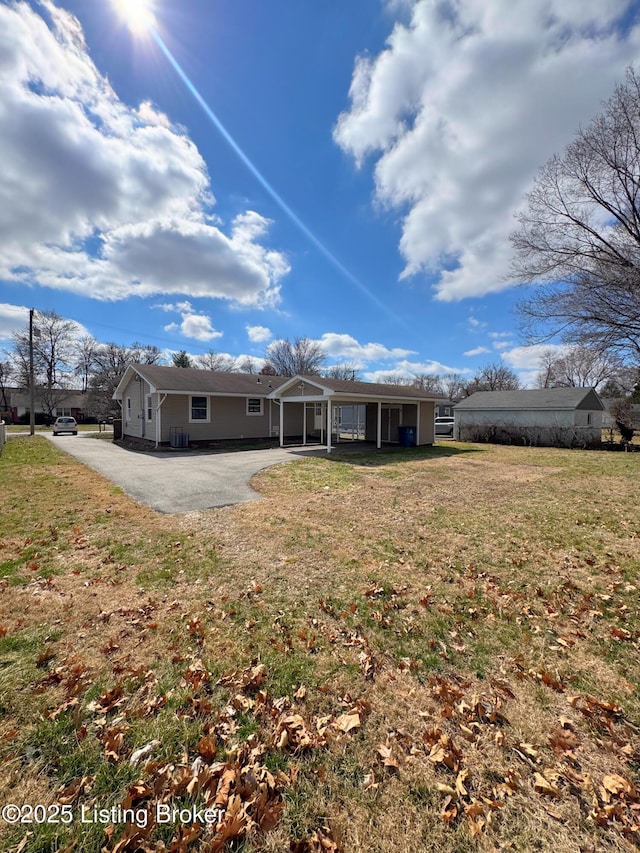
{"x":445,"y":410}
{"x":48,"y":403}
{"x":555,"y":417}
{"x":173,"y":405}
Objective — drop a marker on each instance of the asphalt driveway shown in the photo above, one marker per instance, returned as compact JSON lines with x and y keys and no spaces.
{"x":176,"y":482}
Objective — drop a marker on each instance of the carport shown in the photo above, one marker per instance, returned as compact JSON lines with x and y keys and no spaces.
{"x":308,"y":405}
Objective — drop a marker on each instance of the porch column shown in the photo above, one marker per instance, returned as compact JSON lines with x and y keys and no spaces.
{"x":159,"y":419}
{"x":281,"y":422}
{"x":329,"y":425}
{"x":379,"y":427}
{"x":418,"y":406}
{"x":304,"y":424}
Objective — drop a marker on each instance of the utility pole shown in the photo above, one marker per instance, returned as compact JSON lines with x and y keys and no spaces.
{"x":32,"y":390}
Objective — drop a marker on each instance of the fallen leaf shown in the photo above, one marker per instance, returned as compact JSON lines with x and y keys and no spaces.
{"x":544,"y":786}
{"x":347,"y":722}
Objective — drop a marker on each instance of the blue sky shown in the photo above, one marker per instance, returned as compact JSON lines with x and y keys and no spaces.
{"x":385,"y":147}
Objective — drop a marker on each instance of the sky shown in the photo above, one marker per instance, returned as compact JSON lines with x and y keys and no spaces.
{"x":242,"y":171}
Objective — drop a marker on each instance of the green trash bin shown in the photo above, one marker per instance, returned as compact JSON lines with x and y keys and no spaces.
{"x":407,"y":436}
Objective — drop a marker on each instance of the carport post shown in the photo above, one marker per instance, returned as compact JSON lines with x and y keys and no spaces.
{"x":281,"y":422}
{"x":159,"y":419}
{"x":304,"y":424}
{"x":329,"y":425}
{"x":379,"y":427}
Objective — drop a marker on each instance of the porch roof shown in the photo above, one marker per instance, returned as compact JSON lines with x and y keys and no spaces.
{"x":347,"y":390}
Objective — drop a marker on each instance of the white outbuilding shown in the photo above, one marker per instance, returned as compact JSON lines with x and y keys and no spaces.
{"x":552,"y":417}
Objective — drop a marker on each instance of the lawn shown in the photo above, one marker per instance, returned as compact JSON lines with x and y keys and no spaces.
{"x":431,"y":649}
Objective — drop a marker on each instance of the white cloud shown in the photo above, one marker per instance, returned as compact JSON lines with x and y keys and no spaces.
{"x":193,"y":324}
{"x":13,"y":318}
{"x":476,"y":351}
{"x":528,"y":357}
{"x":461,"y":108}
{"x":475,"y":323}
{"x":347,"y":347}
{"x":258,"y":334}
{"x":525,"y":360}
{"x":408,"y":369}
{"x":101,"y":199}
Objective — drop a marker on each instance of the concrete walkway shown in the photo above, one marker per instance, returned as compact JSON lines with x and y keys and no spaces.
{"x":174,"y":482}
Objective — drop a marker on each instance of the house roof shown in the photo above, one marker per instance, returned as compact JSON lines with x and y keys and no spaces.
{"x":189,"y":380}
{"x":547,"y":398}
{"x":70,"y":397}
{"x":354,"y":389}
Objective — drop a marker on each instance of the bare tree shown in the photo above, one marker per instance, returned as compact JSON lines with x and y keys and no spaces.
{"x":51,"y":399}
{"x":217,"y":361}
{"x":85,"y":359}
{"x":248,"y":365}
{"x":454,"y":385}
{"x":579,"y":234}
{"x":303,"y":356}
{"x":343,"y":370}
{"x":395,"y":379}
{"x":7,"y":376}
{"x":111,"y":361}
{"x":54,"y":344}
{"x":429,"y":382}
{"x":578,"y":367}
{"x":494,"y":377}
{"x":142,"y":353}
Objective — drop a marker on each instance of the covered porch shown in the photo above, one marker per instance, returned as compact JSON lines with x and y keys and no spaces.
{"x":313,"y":411}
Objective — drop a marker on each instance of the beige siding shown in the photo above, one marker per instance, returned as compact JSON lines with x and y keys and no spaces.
{"x":308,"y":390}
{"x":426,"y":430}
{"x":134,"y":419}
{"x":228,"y":419}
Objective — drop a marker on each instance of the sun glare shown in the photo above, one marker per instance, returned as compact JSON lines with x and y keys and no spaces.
{"x":137,"y":14}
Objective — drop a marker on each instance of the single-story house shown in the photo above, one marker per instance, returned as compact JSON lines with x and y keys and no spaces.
{"x":555,"y":417}
{"x":178,"y":406}
{"x":51,"y":403}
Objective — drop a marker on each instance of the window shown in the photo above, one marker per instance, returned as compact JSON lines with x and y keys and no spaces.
{"x":128,"y":408}
{"x":589,"y":419}
{"x":255,"y":405}
{"x":62,"y":411}
{"x":149,"y":407}
{"x":318,"y":410}
{"x":199,"y":409}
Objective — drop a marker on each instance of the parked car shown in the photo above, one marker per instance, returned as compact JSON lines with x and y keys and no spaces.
{"x":444,"y":426}
{"x":65,"y":425}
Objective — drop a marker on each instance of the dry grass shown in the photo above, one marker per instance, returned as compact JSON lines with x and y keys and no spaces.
{"x":474,"y":609}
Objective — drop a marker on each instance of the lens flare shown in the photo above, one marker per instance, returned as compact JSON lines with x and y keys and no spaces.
{"x":137,"y":14}
{"x":297,"y":221}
